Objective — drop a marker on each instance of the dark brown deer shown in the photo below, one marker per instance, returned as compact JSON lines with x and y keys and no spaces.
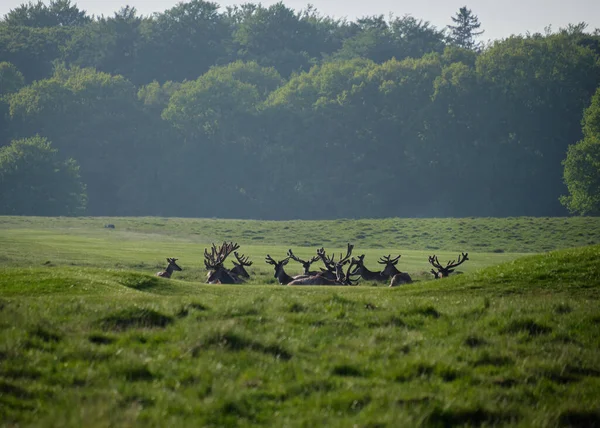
{"x":330,"y":263}
{"x":366,"y":274}
{"x":444,"y":271}
{"x":321,"y":279}
{"x":305,"y":263}
{"x":238,"y":268}
{"x":214,"y":264}
{"x":172,"y":266}
{"x":280,"y":273}
{"x":391,"y":271}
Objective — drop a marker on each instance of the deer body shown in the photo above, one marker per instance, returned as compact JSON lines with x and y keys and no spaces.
{"x":172,"y":266}
{"x":305,"y":263}
{"x":217,"y":271}
{"x":400,"y":278}
{"x":366,"y":274}
{"x":391,"y":271}
{"x":280,"y":273}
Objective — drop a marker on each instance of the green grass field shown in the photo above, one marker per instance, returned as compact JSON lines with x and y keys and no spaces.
{"x":90,"y":337}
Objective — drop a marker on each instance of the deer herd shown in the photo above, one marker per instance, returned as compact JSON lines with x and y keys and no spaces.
{"x":344,"y":270}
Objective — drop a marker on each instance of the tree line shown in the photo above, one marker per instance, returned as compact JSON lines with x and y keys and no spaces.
{"x":272,"y":113}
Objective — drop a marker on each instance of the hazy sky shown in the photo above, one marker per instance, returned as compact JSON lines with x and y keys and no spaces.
{"x":499,"y":19}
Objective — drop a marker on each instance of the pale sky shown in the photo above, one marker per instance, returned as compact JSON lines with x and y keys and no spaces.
{"x":499,"y":18}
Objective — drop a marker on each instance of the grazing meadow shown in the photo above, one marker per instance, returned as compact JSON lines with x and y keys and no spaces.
{"x":89,"y":336}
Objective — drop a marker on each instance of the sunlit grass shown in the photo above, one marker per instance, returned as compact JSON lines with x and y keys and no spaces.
{"x":90,"y":337}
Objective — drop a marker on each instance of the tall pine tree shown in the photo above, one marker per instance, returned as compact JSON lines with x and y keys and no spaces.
{"x":464,"y":32}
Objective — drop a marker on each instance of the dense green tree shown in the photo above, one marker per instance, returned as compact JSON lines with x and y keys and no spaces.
{"x":11,"y":79}
{"x":536,"y":88}
{"x":582,"y":177}
{"x":38,"y":14}
{"x":110,"y":44}
{"x":33,"y":50}
{"x":95,"y":118}
{"x":401,"y":38}
{"x":34,"y":180}
{"x":277,"y":36}
{"x":465,"y":30}
{"x":183,"y":42}
{"x":582,"y":165}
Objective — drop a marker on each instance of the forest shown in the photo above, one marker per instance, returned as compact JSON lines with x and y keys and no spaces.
{"x":257,"y":112}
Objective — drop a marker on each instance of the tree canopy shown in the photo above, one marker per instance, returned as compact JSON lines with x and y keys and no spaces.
{"x":267,"y":112}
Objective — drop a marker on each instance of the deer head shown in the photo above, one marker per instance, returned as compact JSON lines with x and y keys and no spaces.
{"x":172,"y":264}
{"x":280,"y":274}
{"x":305,"y":263}
{"x":390,"y":265}
{"x":242,"y":261}
{"x":214,"y":263}
{"x":444,"y":271}
{"x":330,"y":262}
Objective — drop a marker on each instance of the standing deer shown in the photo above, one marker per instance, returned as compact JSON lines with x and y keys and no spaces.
{"x":214,"y":264}
{"x":366,"y":274}
{"x":391,"y":271}
{"x":238,"y":268}
{"x":172,"y":266}
{"x":444,"y":271}
{"x":305,"y":264}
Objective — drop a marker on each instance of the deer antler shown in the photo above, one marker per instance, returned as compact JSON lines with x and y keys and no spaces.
{"x":433,"y":260}
{"x":445,"y":270}
{"x":271,"y":261}
{"x":461,"y":259}
{"x":384,"y":260}
{"x":328,"y":263}
{"x":218,"y":255}
{"x":309,"y":262}
{"x":350,"y":273}
{"x":348,"y":254}
{"x":242,"y":260}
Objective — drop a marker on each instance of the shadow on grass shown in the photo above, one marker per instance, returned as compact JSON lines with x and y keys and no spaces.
{"x":135,"y":318}
{"x":231,"y":341}
{"x":579,"y":418}
{"x":470,"y":417}
{"x":529,"y":326}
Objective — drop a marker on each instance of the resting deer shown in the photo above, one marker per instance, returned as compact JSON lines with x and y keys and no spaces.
{"x":172,"y":266}
{"x":305,"y":264}
{"x":391,"y":271}
{"x":214,"y":264}
{"x":444,"y":271}
{"x":280,"y":273}
{"x":238,"y":268}
{"x":366,"y":274}
{"x":330,"y":263}
{"x":321,"y":279}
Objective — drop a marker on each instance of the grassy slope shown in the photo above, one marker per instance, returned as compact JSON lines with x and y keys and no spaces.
{"x":514,"y":235}
{"x":85,"y":343}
